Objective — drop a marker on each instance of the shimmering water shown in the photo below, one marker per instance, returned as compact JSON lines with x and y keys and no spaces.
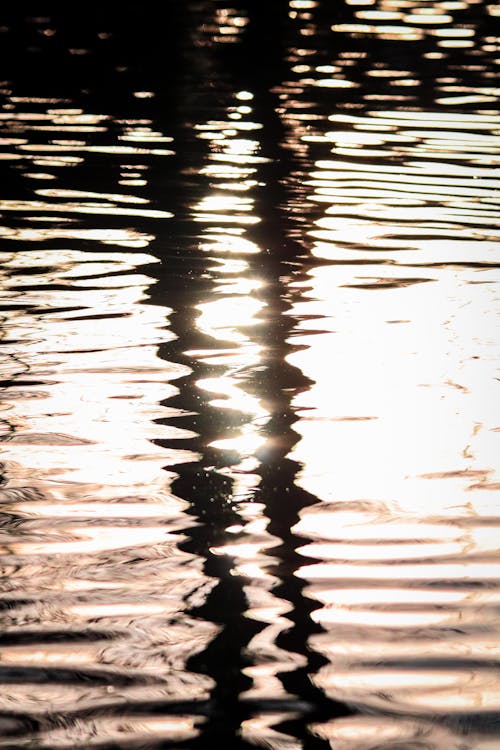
{"x":249,"y":401}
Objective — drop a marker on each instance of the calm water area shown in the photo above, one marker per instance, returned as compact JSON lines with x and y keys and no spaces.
{"x":249,"y":364}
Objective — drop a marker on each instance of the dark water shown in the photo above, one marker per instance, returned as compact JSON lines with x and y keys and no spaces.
{"x":249,"y":410}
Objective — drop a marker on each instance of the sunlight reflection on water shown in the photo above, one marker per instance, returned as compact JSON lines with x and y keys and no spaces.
{"x":249,"y":398}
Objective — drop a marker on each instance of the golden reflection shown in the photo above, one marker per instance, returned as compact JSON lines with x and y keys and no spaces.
{"x":84,"y":478}
{"x":124,"y":609}
{"x":383,"y":732}
{"x":58,"y":655}
{"x":226,"y":26}
{"x":451,"y":691}
{"x":402,"y":378}
{"x":354,"y":644}
{"x":381,"y":551}
{"x":467,"y":571}
{"x":223,"y":318}
{"x":120,"y":237}
{"x":232,"y":310}
{"x":234,"y":397}
{"x":95,"y":538}
{"x":72,"y":146}
{"x":261,"y":729}
{"x":244,"y":96}
{"x":369,"y":523}
{"x":225,"y":204}
{"x":379,"y":15}
{"x":70,"y":697}
{"x":156,"y":509}
{"x":230,"y":317}
{"x":427,"y":16}
{"x":390,"y":596}
{"x":253,"y":571}
{"x":245,"y":444}
{"x":303,"y":4}
{"x":233,"y":307}
{"x":403,"y":33}
{"x":83,"y":208}
{"x":241,"y":551}
{"x":394,"y":330}
{"x":127,"y":728}
{"x":105,"y":441}
{"x":40,"y":176}
{"x":336,"y":83}
{"x":114,"y":198}
{"x":384,"y":619}
{"x":227,"y":240}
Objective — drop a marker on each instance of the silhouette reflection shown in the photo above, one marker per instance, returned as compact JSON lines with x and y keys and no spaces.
{"x":249,"y":274}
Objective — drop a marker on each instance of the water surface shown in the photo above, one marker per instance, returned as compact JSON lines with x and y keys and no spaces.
{"x":249,"y":408}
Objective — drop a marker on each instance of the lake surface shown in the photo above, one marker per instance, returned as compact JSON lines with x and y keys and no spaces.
{"x":250,"y":413}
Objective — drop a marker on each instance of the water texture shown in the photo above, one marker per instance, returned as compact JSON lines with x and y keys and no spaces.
{"x":249,"y":404}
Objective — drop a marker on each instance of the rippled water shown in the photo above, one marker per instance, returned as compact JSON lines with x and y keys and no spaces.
{"x":249,"y":403}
